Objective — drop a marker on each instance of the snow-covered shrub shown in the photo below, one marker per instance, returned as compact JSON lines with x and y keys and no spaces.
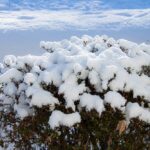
{"x":83,"y":93}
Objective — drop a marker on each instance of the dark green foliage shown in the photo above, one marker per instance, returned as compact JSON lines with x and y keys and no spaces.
{"x":145,"y":70}
{"x":95,"y":130}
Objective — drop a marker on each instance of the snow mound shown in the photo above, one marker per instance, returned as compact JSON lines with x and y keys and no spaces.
{"x":92,"y":102}
{"x":115,"y":99}
{"x":58,"y":118}
{"x":88,"y":72}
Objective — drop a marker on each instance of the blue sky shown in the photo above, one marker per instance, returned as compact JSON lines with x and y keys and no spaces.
{"x":23,"y":21}
{"x":71,"y":4}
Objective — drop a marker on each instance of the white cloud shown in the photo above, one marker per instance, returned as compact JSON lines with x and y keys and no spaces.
{"x":65,"y":19}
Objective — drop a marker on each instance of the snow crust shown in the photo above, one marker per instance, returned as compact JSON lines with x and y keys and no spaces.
{"x":78,"y":70}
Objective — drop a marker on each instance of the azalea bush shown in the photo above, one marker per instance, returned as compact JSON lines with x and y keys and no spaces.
{"x":83,"y":93}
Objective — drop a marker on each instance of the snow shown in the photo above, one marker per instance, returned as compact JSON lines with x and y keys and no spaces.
{"x":50,"y":46}
{"x":9,"y":60}
{"x":107,"y":73}
{"x":94,"y":80}
{"x":40,"y":97}
{"x":49,"y":77}
{"x":22,"y":111}
{"x":134,"y":110}
{"x":127,"y":45}
{"x":115,"y":99}
{"x":11,"y":74}
{"x":30,"y":78}
{"x":140,"y":85}
{"x":71,"y":90}
{"x":10,"y":89}
{"x":81,"y":69}
{"x":58,"y":118}
{"x":92,"y":102}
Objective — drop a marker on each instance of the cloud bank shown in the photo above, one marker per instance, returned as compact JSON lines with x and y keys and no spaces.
{"x":68,"y":19}
{"x":75,"y":14}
